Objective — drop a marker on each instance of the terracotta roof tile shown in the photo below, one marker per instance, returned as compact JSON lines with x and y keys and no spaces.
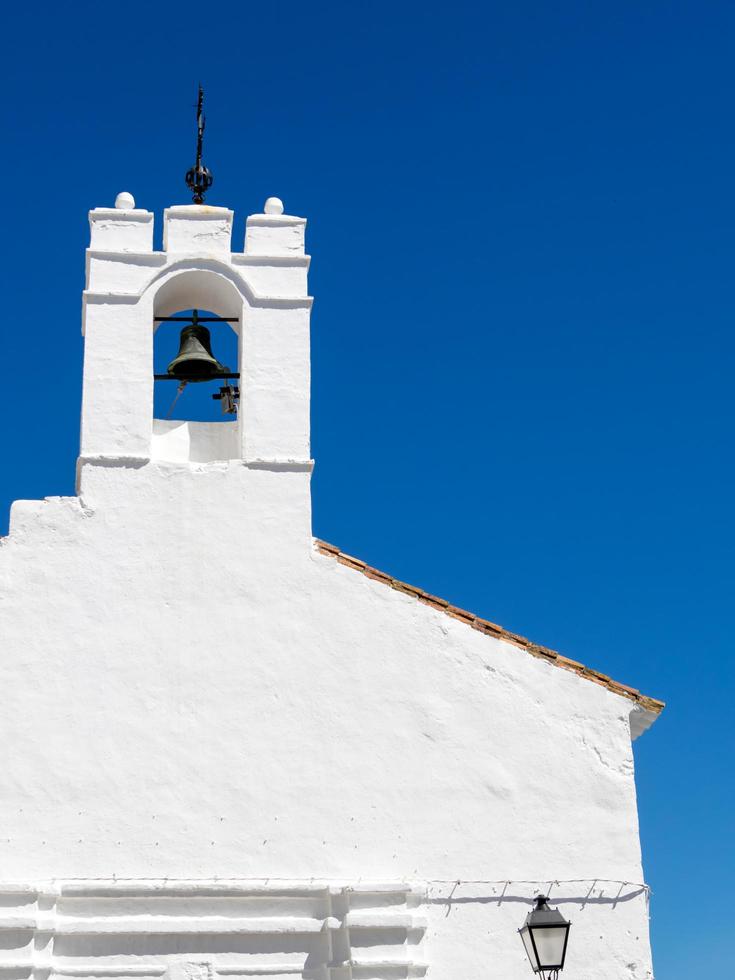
{"x":403,"y":587}
{"x":484,"y":626}
{"x":572,"y":664}
{"x":538,"y":651}
{"x":462,"y":614}
{"x":433,"y":600}
{"x":377,"y":575}
{"x":329,"y":549}
{"x":492,"y":629}
{"x":352,"y":562}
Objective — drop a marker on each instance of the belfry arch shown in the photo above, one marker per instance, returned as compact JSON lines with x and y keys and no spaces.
{"x":196,"y":417}
{"x":205,"y":285}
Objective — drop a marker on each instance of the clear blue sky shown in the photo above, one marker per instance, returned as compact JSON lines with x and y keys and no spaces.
{"x":522,"y":218}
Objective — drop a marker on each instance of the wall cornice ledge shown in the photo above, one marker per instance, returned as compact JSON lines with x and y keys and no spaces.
{"x":258,"y":302}
{"x":243,"y":258}
{"x":281,"y":465}
{"x":139,"y":215}
{"x":143,"y":258}
{"x":111,"y":460}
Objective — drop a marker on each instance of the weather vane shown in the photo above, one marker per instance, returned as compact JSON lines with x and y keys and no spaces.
{"x":199,"y":179}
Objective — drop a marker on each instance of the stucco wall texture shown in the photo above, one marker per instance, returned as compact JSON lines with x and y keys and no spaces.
{"x":200,"y":707}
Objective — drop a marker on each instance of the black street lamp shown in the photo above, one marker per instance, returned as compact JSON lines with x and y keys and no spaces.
{"x":545,"y":934}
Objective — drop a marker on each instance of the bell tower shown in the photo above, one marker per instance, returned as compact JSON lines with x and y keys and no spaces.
{"x":129,"y":457}
{"x":260,"y":292}
{"x":243,"y":480}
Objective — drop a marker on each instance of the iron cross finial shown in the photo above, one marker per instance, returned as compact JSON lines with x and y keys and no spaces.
{"x":199,"y":179}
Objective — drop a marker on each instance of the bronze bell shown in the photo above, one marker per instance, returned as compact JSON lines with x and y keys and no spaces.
{"x":195,"y":361}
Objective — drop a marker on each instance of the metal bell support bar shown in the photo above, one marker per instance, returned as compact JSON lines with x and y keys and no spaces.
{"x":228,"y":375}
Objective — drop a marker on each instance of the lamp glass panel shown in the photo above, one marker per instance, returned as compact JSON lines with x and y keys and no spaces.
{"x":550,"y":945}
{"x":526,"y":937}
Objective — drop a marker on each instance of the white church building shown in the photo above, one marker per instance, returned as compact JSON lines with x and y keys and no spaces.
{"x":230,"y":750}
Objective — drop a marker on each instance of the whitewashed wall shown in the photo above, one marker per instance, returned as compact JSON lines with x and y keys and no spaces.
{"x":197,"y":703}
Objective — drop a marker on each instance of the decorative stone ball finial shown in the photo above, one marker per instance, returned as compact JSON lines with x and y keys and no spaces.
{"x":124,"y":201}
{"x":274,"y":205}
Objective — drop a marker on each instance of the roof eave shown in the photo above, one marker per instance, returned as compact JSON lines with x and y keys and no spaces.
{"x":645,"y":709}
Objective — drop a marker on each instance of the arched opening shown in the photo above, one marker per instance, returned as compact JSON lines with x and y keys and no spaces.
{"x":197,"y":315}
{"x":192,"y":400}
